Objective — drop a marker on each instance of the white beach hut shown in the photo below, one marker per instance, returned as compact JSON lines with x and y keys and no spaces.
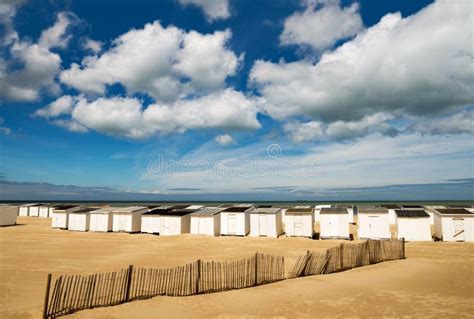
{"x":206,"y":221}
{"x":151,"y":220}
{"x":392,"y":217}
{"x":79,"y":220}
{"x":266,"y":222}
{"x":43,"y":211}
{"x":235,"y":221}
{"x":24,"y":209}
{"x":175,"y":222}
{"x":101,"y":220}
{"x":350,"y":211}
{"x":334,"y":223}
{"x":317,"y":211}
{"x":60,"y":217}
{"x":454,"y":224}
{"x":299,"y":222}
{"x":33,"y":210}
{"x":128,"y":219}
{"x":8,"y":215}
{"x":431,"y":211}
{"x":413,"y":225}
{"x":373,"y":222}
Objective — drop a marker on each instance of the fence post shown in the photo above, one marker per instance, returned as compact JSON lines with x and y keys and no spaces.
{"x":403,"y":247}
{"x":46,"y":297}
{"x":256,"y":268}
{"x":129,"y":282}
{"x":198,"y":277}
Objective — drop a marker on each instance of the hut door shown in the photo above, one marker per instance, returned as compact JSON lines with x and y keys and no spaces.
{"x":373,"y":221}
{"x":202,"y":226}
{"x":298,"y":225}
{"x":458,"y":229}
{"x":122,"y":222}
{"x":262,"y":223}
{"x":231,"y":224}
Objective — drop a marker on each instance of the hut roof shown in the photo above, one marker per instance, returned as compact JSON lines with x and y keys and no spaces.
{"x":413,"y":206}
{"x":390,"y":206}
{"x":65,"y":207}
{"x":411,"y":213}
{"x":178,"y":212}
{"x":264,"y":206}
{"x":265,"y":210}
{"x":129,"y":209}
{"x":85,"y":210}
{"x":299,"y":211}
{"x":371,"y":210}
{"x":236,"y":209}
{"x":334,"y":210}
{"x":454,"y":211}
{"x":226,"y":205}
{"x":157,"y":211}
{"x":208,"y":211}
{"x":345,"y":205}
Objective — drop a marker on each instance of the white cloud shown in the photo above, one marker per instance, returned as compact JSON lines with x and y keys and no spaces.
{"x":213,"y":9}
{"x":224,"y":139}
{"x":321,"y":26}
{"x":93,"y":45}
{"x":39,"y":66}
{"x":418,"y":65}
{"x":62,"y":105}
{"x":158,"y":61}
{"x":8,"y":10}
{"x":227,"y":109}
{"x":70,"y":126}
{"x":302,"y":132}
{"x":56,"y":35}
{"x":5,"y":130}
{"x":459,"y":123}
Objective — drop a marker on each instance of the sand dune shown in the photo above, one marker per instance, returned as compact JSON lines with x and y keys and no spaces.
{"x":437,"y":279}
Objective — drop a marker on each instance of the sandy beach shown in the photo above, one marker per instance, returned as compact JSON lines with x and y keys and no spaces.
{"x":436,"y":280}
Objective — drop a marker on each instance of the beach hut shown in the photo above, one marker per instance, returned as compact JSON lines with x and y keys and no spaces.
{"x":413,"y":225}
{"x":299,"y":222}
{"x":43,"y":211}
{"x":350,"y":211}
{"x":128,"y":219}
{"x":334,"y":223}
{"x":151,"y":220}
{"x":33,"y":210}
{"x":24,"y":209}
{"x":431,"y":211}
{"x":175,"y":222}
{"x":79,"y":220}
{"x":206,"y":221}
{"x":317,"y":211}
{"x":195,"y":207}
{"x":454,"y":224}
{"x":392,"y":217}
{"x":266,"y":222}
{"x":60,"y":216}
{"x":373,"y":222}
{"x":235,"y":221}
{"x":8,"y":215}
{"x":101,"y":220}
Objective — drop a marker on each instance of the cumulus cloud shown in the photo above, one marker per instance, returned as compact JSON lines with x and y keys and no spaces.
{"x":8,"y":9}
{"x":56,"y":35}
{"x":459,"y":123}
{"x":39,"y":66}
{"x":302,"y":132}
{"x":224,"y":139}
{"x":62,"y":105}
{"x":121,"y":116}
{"x":213,"y":9}
{"x":167,"y":63}
{"x":340,"y":130}
{"x":414,"y":65}
{"x":321,"y":25}
{"x":93,"y":45}
{"x":71,"y":126}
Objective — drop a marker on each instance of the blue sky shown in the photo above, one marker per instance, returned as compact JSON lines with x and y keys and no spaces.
{"x":226,"y":99}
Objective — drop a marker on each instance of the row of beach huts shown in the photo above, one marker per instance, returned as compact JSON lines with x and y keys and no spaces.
{"x":413,"y":222}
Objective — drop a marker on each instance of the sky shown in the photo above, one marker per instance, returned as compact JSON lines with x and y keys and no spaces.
{"x":237,"y":100}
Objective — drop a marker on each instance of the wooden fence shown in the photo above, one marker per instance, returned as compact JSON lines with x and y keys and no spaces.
{"x":72,"y":293}
{"x":347,"y":256}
